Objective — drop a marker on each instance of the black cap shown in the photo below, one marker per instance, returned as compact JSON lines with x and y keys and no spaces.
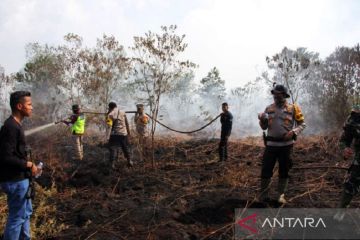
{"x":75,"y":107}
{"x":112,"y":105}
{"x":282,"y":89}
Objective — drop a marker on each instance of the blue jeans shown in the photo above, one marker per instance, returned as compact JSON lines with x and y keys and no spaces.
{"x":20,"y":209}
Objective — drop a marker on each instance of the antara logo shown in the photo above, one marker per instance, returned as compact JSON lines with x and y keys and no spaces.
{"x":248,"y":227}
{"x":286,"y":222}
{"x":293,"y":222}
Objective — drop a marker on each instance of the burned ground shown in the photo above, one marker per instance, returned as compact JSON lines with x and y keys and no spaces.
{"x":188,"y":195}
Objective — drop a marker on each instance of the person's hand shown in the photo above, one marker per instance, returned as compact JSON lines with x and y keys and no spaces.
{"x":289,"y":135}
{"x":261,"y":116}
{"x":32,"y":166}
{"x":348,"y":153}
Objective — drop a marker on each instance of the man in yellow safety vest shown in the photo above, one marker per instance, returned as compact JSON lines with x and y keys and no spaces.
{"x":77,"y":122}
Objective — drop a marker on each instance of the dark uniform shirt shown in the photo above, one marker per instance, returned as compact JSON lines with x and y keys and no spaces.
{"x":226,"y":120}
{"x":12,"y":151}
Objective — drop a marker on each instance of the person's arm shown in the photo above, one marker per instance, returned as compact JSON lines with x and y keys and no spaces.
{"x":136,"y":117}
{"x":9,"y":145}
{"x":127,"y":126}
{"x":299,"y":128}
{"x":111,"y":115}
{"x":300,"y":120}
{"x":263,"y":121}
{"x":71,"y":120}
{"x":346,"y":140}
{"x":346,"y":137}
{"x":230,"y":122}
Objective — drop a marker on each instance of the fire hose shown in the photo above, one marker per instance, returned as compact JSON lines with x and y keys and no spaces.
{"x":185,"y":132}
{"x":162,"y":124}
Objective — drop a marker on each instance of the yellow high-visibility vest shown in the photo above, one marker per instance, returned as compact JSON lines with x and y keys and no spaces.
{"x":79,"y":126}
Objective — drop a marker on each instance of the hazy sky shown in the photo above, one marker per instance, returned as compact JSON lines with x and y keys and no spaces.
{"x":233,"y":35}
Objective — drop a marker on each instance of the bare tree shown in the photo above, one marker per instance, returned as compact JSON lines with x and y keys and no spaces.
{"x":103,"y":69}
{"x":71,"y":65}
{"x":294,"y":69}
{"x":156,"y":68}
{"x":340,"y":84}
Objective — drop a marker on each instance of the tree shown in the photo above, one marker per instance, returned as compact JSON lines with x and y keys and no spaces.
{"x":43,"y":73}
{"x":294,"y":69}
{"x":102,"y":71}
{"x":71,"y":65}
{"x":7,"y":84}
{"x":340,"y":84}
{"x":156,"y":68}
{"x":212,"y":94}
{"x":212,"y":86}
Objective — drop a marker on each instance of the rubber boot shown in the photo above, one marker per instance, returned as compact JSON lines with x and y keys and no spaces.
{"x":282,"y":187}
{"x":345,"y":200}
{"x":264,"y":189}
{"x":344,"y":203}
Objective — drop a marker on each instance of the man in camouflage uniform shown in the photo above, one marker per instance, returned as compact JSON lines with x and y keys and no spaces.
{"x":351,"y":134}
{"x":141,"y":122}
{"x":279,"y":119}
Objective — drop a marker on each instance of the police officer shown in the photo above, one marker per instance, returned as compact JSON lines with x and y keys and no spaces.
{"x":279,"y":119}
{"x":120,"y":132}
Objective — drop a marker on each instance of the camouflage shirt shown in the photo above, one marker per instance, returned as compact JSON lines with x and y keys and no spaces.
{"x":141,"y":121}
{"x":351,"y":134}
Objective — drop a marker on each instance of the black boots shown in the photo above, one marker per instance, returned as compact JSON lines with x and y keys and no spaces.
{"x":264,"y":189}
{"x":344,"y":203}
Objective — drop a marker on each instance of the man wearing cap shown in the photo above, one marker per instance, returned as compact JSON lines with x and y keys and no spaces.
{"x":120,"y":132}
{"x":283,"y":122}
{"x":141,"y":121}
{"x":77,"y":122}
{"x":351,"y":134}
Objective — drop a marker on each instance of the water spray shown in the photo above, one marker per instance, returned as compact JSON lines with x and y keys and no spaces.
{"x":38,"y":129}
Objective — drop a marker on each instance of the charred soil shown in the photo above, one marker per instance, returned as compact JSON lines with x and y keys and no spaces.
{"x":187,"y":195}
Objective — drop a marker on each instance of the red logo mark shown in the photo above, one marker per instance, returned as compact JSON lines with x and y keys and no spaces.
{"x":251,"y":218}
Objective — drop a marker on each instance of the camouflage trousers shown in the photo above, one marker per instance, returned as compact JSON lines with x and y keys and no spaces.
{"x":78,"y":147}
{"x":142,"y":146}
{"x":352,"y":182}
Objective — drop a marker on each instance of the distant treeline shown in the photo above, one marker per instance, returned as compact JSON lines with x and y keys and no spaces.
{"x":152,"y":71}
